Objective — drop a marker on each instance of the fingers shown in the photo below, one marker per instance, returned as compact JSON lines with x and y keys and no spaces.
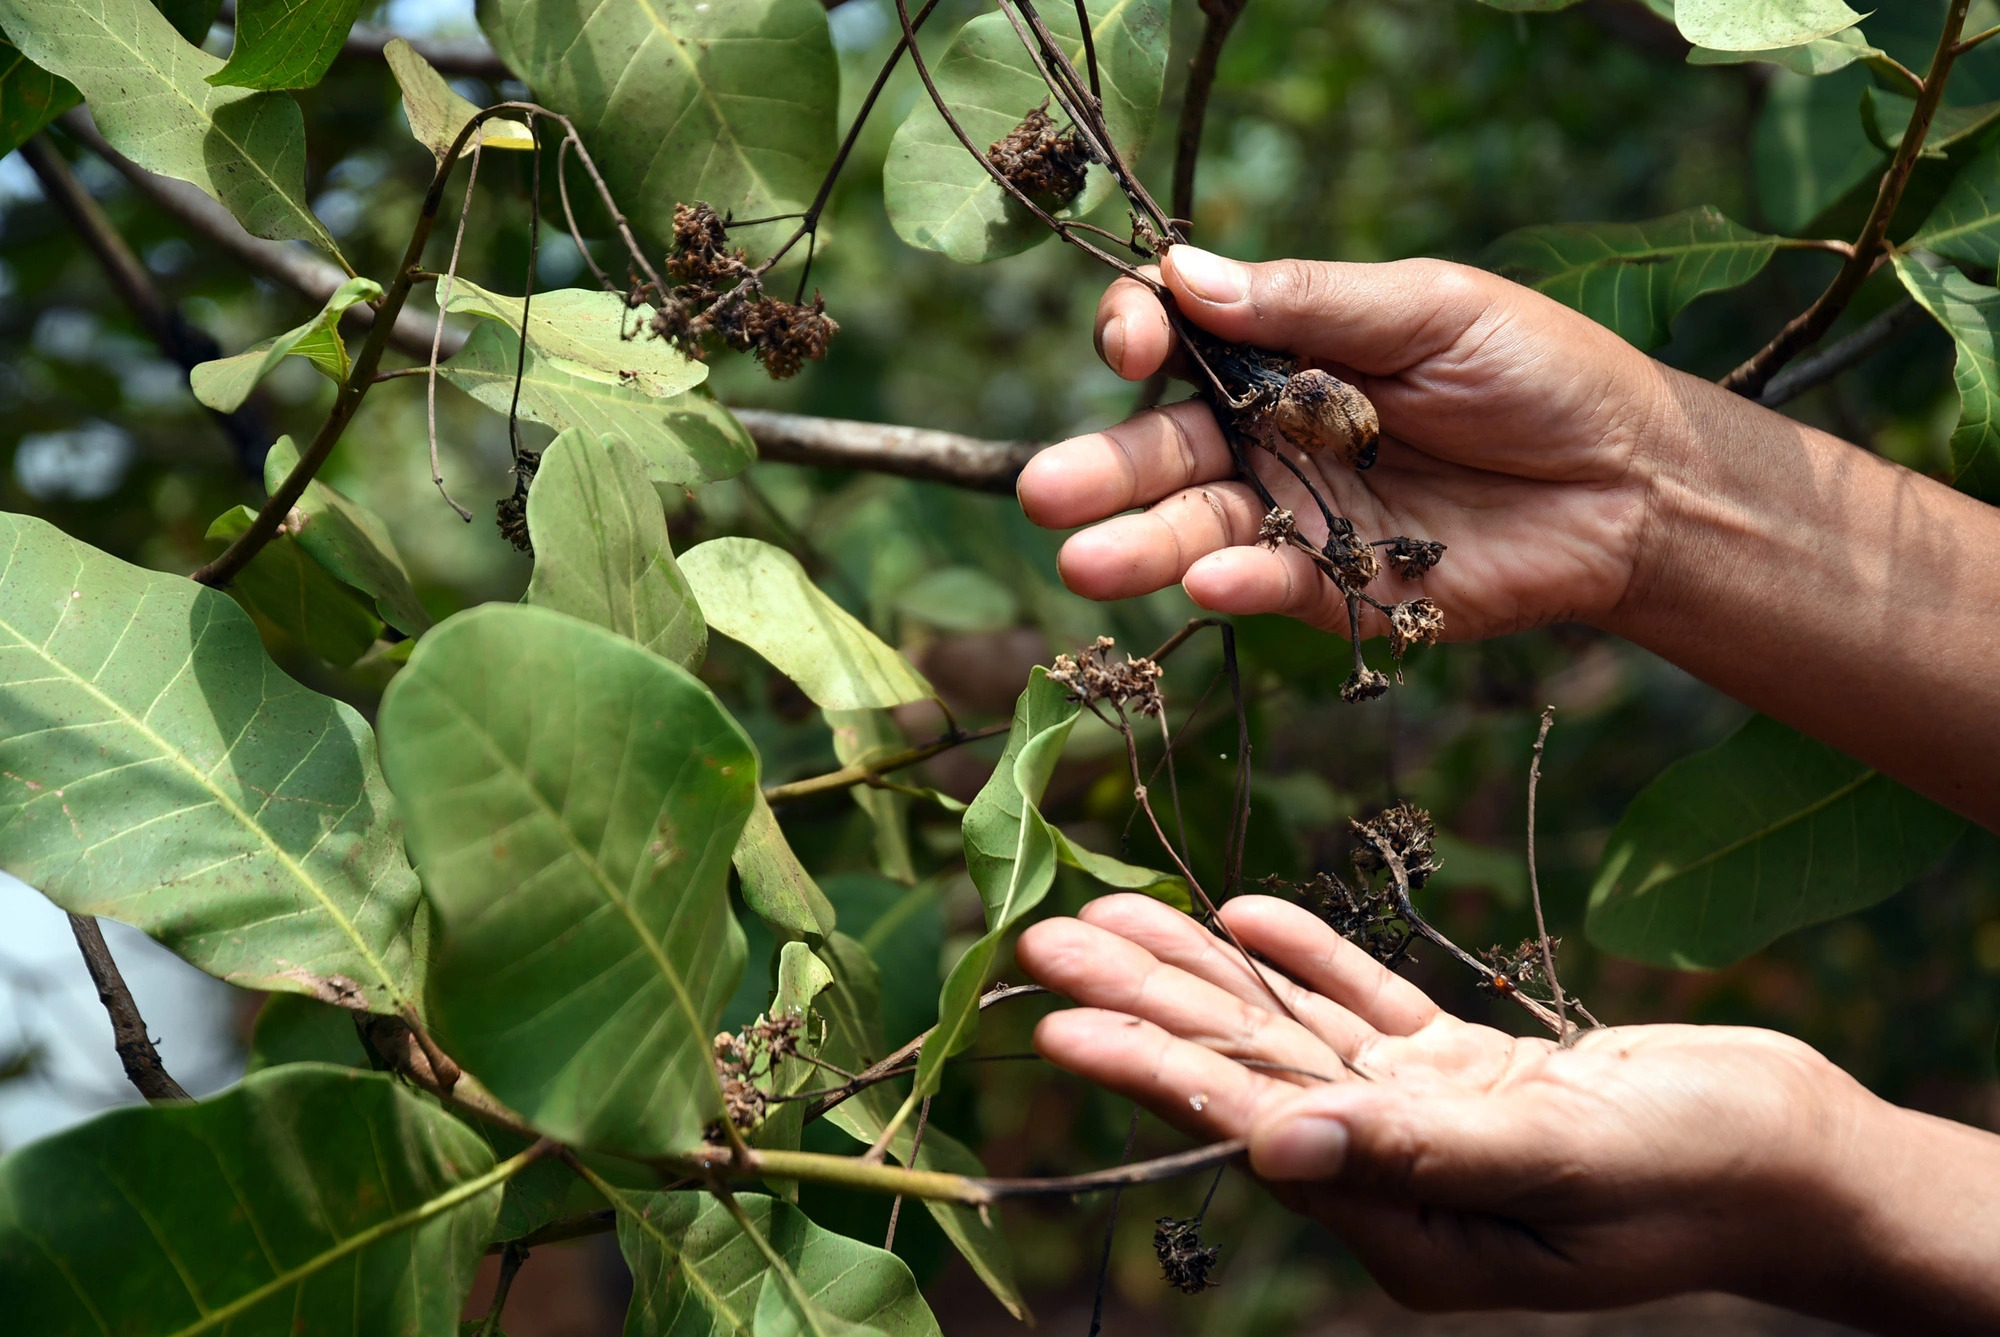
{"x":1195,"y":1089}
{"x":1242,"y":580}
{"x":1133,"y":336}
{"x":1299,"y":943}
{"x":1377,"y":319}
{"x":1100,"y":969}
{"x":1179,"y":941}
{"x":1130,"y":555}
{"x":1149,"y":456}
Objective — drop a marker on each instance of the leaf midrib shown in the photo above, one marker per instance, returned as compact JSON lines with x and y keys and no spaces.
{"x":223,"y":801}
{"x":1791,"y":818}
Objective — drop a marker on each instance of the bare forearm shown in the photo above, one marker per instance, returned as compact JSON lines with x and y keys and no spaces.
{"x":1849,"y":597}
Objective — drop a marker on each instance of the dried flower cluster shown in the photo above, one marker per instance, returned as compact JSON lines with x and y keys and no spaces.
{"x":742,"y":1058}
{"x":719,"y":294}
{"x":1365,"y":917}
{"x":1046,"y":164}
{"x":1516,"y":969}
{"x":1280,"y":527}
{"x":1184,"y":1260}
{"x":1412,"y":558}
{"x":1405,"y":831}
{"x":512,"y":511}
{"x":1352,"y":563}
{"x":1091,"y":675}
{"x":1415,"y":622}
{"x":1364,"y":684}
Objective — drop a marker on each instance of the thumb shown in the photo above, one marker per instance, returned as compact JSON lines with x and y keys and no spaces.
{"x":1378,"y":319}
{"x":1477,"y":1152}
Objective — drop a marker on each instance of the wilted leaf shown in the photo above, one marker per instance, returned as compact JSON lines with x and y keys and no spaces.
{"x":1741,"y":844}
{"x":573,"y":801}
{"x":308,"y":1200}
{"x":1970,"y":313}
{"x":602,"y":552}
{"x":350,"y":541}
{"x":758,"y":594}
{"x":297,"y":595}
{"x":590,"y":333}
{"x":1759,"y":25}
{"x":225,"y":383}
{"x":437,"y":114}
{"x":1634,"y":278}
{"x":732,"y":103}
{"x":157,"y":768}
{"x":285,"y":43}
{"x":696,"y":1274}
{"x":939,"y":198}
{"x":149,"y":93}
{"x":776,"y":886}
{"x":684,"y":438}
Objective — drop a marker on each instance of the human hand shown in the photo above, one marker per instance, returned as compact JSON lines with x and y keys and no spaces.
{"x":1469,"y":1169}
{"x":1513,"y":429}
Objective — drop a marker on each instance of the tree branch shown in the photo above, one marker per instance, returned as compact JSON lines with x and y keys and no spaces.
{"x":1220,"y":17}
{"x":1751,"y":378}
{"x":863,"y":772}
{"x":128,"y":1029}
{"x":1856,"y":348}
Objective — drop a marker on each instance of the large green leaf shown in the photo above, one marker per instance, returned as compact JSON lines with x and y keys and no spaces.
{"x":1824,"y":55}
{"x":1970,"y":313}
{"x":776,"y":886}
{"x":682,"y":100}
{"x":1965,"y":224}
{"x":286,"y":43}
{"x":435,"y":111}
{"x":758,"y":594}
{"x":602,"y":552}
{"x":1814,"y":164}
{"x":225,"y":383}
{"x":590,"y":333}
{"x":1766,"y":833}
{"x":148,"y":90}
{"x":350,"y":541}
{"x":30,"y":97}
{"x":296,"y":594}
{"x":292,"y":1028}
{"x":684,"y":438}
{"x":573,"y":801}
{"x":1634,"y":277}
{"x":157,"y":768}
{"x":696,"y":1274}
{"x":859,"y":737}
{"x":1759,"y":25}
{"x":940,"y":198}
{"x":309,"y":1201}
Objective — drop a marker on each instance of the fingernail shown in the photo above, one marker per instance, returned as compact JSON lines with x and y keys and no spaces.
{"x":1111,"y":344}
{"x":1209,"y":276}
{"x":1306,"y":1147}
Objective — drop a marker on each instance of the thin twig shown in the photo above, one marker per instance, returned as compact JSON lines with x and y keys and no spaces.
{"x":1565,"y":1033}
{"x":527,"y":287}
{"x":865,"y":772}
{"x":512,"y":1255}
{"x":1806,"y":329}
{"x":128,"y":1029}
{"x":916,"y":1145}
{"x":1111,"y":1227}
{"x":1219,"y":16}
{"x":1877,"y":334}
{"x":437,"y":335}
{"x":892,"y":1066}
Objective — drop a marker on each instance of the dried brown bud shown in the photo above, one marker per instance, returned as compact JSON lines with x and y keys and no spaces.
{"x":1322,"y":414}
{"x":1091,"y":675}
{"x":1045,"y":164}
{"x":1363,"y":685}
{"x":1411,"y":558}
{"x":783,"y":335}
{"x":1279,"y":528}
{"x":1404,"y":830}
{"x":1354,"y":562}
{"x":1184,"y":1260}
{"x":1415,"y":622}
{"x":701,"y":256}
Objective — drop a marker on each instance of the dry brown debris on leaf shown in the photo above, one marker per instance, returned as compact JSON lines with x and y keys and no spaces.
{"x":1046,"y":164}
{"x":719,"y":294}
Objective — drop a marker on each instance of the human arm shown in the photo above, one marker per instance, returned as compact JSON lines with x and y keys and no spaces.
{"x":1470,"y":1169}
{"x":1573,"y":478}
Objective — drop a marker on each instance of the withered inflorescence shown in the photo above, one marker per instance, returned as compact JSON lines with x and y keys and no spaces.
{"x":741,"y":1058}
{"x":1046,"y":164}
{"x":511,"y":511}
{"x":1516,"y":969}
{"x":718,"y":293}
{"x":1092,"y":675}
{"x":1404,"y":830}
{"x":1364,"y":916}
{"x":1184,"y":1260}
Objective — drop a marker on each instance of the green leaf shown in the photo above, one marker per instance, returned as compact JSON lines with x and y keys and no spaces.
{"x":298,"y":595}
{"x":148,"y":92}
{"x":437,"y":114}
{"x":292,"y":1028}
{"x":941,"y":199}
{"x":861,"y":736}
{"x":590,"y":333}
{"x":758,"y":594}
{"x":696,"y":1274}
{"x":959,"y":598}
{"x":285,"y":43}
{"x":350,"y":541}
{"x":1823,"y":55}
{"x":1739,"y":845}
{"x":1760,"y":25}
{"x":802,"y":977}
{"x":573,"y":800}
{"x":1970,"y":313}
{"x":1633,"y":278}
{"x":311,"y":1201}
{"x":225,"y":383}
{"x":191,"y":18}
{"x":684,"y":100}
{"x":685,"y":438}
{"x":776,"y":886}
{"x":602,"y":552}
{"x":157,"y":768}
{"x":1529,"y":6}
{"x":1886,"y":116}
{"x":1965,"y":225}
{"x":1811,"y":157}
{"x":30,"y":97}
{"x":1169,"y":887}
